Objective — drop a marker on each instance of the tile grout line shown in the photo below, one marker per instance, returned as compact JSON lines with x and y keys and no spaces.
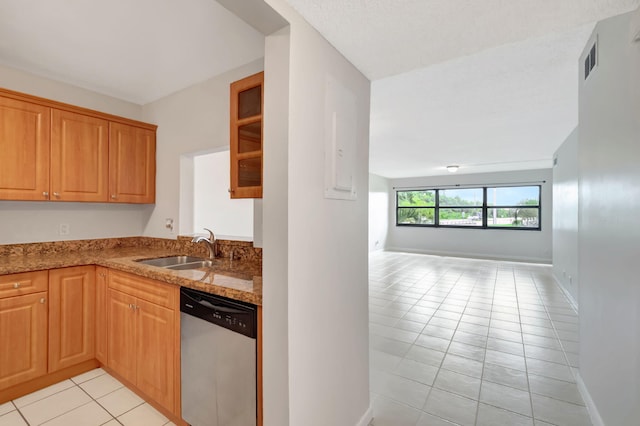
{"x":21,"y":415}
{"x":484,"y":361}
{"x":448,"y":347}
{"x":450,"y":340}
{"x":555,"y":330}
{"x":97,"y":402}
{"x":524,"y":349}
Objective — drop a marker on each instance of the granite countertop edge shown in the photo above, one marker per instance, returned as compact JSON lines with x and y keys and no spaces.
{"x":235,"y":279}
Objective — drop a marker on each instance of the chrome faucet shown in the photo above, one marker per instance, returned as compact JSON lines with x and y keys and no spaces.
{"x":211,"y":243}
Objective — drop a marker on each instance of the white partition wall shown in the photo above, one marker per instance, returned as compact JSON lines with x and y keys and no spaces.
{"x":609,"y":233}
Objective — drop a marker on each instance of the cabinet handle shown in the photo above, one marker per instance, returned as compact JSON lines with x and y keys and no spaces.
{"x":16,"y":285}
{"x":102,"y":274}
{"x":56,"y":194}
{"x":45,"y":194}
{"x":114,"y":196}
{"x":42,"y":300}
{"x":230,"y":190}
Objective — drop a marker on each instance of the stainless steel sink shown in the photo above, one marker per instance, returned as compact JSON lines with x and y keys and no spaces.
{"x":177,"y":262}
{"x":191,"y":265}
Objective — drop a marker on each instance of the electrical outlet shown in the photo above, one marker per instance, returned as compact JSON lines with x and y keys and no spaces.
{"x":63,"y":229}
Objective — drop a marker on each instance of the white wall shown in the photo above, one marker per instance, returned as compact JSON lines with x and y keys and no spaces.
{"x":195,"y":119}
{"x":378,"y":212}
{"x":21,"y":81}
{"x":25,"y":222}
{"x":328,"y":369}
{"x":609,"y":235}
{"x":36,"y":221}
{"x":275,"y":207}
{"x":212,"y":207}
{"x":528,"y":246}
{"x":565,"y":216}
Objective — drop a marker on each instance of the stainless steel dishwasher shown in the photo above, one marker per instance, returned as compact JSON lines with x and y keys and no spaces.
{"x":218,"y":360}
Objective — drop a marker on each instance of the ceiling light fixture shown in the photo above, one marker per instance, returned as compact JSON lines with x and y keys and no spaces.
{"x":452,"y":169}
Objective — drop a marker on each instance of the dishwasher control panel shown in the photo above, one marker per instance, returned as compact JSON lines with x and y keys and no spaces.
{"x":231,"y":314}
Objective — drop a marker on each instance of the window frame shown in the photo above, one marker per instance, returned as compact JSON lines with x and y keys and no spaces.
{"x":484,"y":208}
{"x":435,"y":211}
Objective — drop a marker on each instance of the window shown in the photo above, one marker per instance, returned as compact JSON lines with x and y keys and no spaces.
{"x":505,"y":207}
{"x":416,"y":207}
{"x":460,"y":207}
{"x":514,"y":207}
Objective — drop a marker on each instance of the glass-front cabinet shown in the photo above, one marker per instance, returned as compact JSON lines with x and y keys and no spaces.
{"x":246,"y":137}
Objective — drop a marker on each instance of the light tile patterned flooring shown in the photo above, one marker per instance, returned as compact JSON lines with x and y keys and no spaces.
{"x":90,"y":399}
{"x":470,"y":342}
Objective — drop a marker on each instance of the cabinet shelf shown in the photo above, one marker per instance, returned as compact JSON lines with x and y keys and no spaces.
{"x":246,"y":137}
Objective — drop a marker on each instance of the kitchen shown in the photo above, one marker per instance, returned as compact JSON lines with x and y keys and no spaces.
{"x":293,"y":252}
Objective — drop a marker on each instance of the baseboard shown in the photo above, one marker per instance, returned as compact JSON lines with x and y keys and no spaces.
{"x":464,"y":255}
{"x":591,"y":406}
{"x":365,"y":420}
{"x":573,"y":302}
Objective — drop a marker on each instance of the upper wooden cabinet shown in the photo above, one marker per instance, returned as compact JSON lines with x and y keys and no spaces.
{"x":246,"y":137}
{"x":59,"y":152}
{"x":79,"y":157}
{"x":24,"y":150}
{"x":132,"y":164}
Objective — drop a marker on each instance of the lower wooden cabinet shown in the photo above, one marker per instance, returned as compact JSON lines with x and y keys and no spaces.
{"x":23,"y":338}
{"x":101,"y":314}
{"x":143,"y":336}
{"x":72,"y":298}
{"x":121,"y":334}
{"x":47,"y":325}
{"x":156,"y":352}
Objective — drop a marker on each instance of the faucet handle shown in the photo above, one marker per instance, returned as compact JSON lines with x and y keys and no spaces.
{"x":212,"y":237}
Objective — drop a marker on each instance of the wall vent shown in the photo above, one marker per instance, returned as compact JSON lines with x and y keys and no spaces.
{"x":590,"y":61}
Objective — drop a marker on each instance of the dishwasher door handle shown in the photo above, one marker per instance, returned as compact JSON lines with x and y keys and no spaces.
{"x":209,"y":305}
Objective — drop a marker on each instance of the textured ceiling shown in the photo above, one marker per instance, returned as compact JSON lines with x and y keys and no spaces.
{"x":136,"y":50}
{"x":489,"y":85}
{"x":507,"y":108}
{"x":388,"y":37}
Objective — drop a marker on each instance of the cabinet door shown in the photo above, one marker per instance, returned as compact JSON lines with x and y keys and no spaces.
{"x":132,"y":164}
{"x":23,"y":338}
{"x":101,"y":314}
{"x":156,"y":352}
{"x":246,"y":137}
{"x":72,"y":296}
{"x":121,"y":334}
{"x":24,"y":150}
{"x":79,"y":157}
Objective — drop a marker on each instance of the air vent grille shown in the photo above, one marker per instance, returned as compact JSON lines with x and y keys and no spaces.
{"x":590,"y":61}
